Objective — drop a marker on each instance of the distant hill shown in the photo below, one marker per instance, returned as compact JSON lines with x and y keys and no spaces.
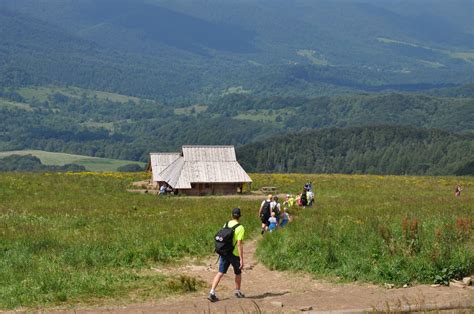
{"x":187,"y":51}
{"x":299,"y":113}
{"x":464,"y":91}
{"x":93,"y":123}
{"x":61,"y":159}
{"x":373,"y":150}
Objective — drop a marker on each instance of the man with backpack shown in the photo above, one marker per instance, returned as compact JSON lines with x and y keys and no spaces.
{"x":229,"y":246}
{"x":265,"y":212}
{"x":276,"y":208}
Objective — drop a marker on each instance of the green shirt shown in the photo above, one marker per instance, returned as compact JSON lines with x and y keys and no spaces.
{"x":238,"y":235}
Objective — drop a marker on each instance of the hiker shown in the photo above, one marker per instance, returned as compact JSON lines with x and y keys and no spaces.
{"x":298,"y":199}
{"x":276,"y":208}
{"x":310,"y":197}
{"x":457,"y":191}
{"x":285,"y":218}
{"x":233,"y":256}
{"x":265,"y":212}
{"x":272,"y":222}
{"x":162,"y":189}
{"x":304,"y":199}
{"x":289,"y":200}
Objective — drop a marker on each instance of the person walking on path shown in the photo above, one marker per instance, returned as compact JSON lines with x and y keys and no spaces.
{"x":276,"y":208}
{"x":265,"y":212}
{"x":273,"y":222}
{"x":285,"y":218}
{"x":234,"y":258}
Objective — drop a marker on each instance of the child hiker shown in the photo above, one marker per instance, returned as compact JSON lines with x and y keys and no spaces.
{"x":272,"y":222}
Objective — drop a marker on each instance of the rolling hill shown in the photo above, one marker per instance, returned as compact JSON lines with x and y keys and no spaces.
{"x":61,"y":159}
{"x":187,"y":51}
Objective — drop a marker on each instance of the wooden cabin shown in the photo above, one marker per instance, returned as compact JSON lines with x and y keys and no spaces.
{"x":199,"y":170}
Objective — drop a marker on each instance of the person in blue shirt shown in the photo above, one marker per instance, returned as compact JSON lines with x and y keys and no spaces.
{"x":272,"y":222}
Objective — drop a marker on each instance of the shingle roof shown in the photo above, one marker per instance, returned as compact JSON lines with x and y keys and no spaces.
{"x":203,"y":164}
{"x":209,"y":153}
{"x":160,"y":161}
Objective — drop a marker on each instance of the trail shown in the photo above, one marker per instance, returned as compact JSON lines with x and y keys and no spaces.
{"x":274,"y":291}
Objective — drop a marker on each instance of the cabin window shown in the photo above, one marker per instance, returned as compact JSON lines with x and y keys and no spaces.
{"x":207,"y":185}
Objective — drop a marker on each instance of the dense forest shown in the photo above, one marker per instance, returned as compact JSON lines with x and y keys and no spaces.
{"x":373,"y":150}
{"x":78,"y":121}
{"x":88,"y":123}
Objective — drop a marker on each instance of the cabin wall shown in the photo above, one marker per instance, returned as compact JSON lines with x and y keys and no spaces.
{"x":199,"y":189}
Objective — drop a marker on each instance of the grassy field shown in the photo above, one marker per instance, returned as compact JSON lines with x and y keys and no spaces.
{"x":264,"y":115}
{"x":15,"y":105}
{"x":68,"y":238}
{"x":42,"y":93}
{"x":80,"y":238}
{"x":467,"y":56}
{"x":191,"y":110}
{"x":382,"y":229}
{"x":59,"y":159}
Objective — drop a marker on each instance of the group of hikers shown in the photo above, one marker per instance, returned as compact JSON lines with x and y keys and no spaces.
{"x":229,"y":240}
{"x":165,"y":189}
{"x":271,"y":215}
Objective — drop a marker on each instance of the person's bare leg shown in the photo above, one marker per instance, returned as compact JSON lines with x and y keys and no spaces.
{"x":216,"y":280}
{"x":238,"y":281}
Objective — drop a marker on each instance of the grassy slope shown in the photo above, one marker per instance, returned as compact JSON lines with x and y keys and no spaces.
{"x":90,"y":241}
{"x":59,"y":159}
{"x":14,"y":105}
{"x":79,"y":237}
{"x":395,"y":229}
{"x":42,"y":93}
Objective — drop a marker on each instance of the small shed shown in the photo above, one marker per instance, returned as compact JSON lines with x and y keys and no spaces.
{"x":199,"y":170}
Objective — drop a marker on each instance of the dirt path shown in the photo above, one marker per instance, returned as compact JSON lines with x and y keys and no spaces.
{"x":273,"y":291}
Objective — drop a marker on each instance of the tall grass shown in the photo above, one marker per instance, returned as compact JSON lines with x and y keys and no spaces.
{"x":401,"y":230}
{"x":67,"y":238}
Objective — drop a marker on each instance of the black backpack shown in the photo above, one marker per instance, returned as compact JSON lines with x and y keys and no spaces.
{"x":266,"y":209}
{"x":224,"y":240}
{"x":276,"y":209}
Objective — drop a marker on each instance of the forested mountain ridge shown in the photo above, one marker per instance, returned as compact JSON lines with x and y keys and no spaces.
{"x":296,"y":113}
{"x":99,"y":124}
{"x":176,"y":51}
{"x":373,"y":150}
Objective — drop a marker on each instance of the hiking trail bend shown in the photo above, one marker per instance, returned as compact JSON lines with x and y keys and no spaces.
{"x":274,"y":291}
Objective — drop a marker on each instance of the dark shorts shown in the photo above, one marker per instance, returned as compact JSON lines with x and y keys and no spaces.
{"x":264,"y":219}
{"x":226,"y":261}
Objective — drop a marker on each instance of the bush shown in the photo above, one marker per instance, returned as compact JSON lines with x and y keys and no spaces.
{"x":130,"y":168}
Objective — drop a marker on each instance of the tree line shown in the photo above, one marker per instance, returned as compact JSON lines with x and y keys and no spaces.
{"x":372,"y":150}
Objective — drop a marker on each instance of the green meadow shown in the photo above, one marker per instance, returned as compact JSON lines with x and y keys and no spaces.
{"x":79,"y":238}
{"x":380,"y":229}
{"x":43,"y":93}
{"x":60,"y":159}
